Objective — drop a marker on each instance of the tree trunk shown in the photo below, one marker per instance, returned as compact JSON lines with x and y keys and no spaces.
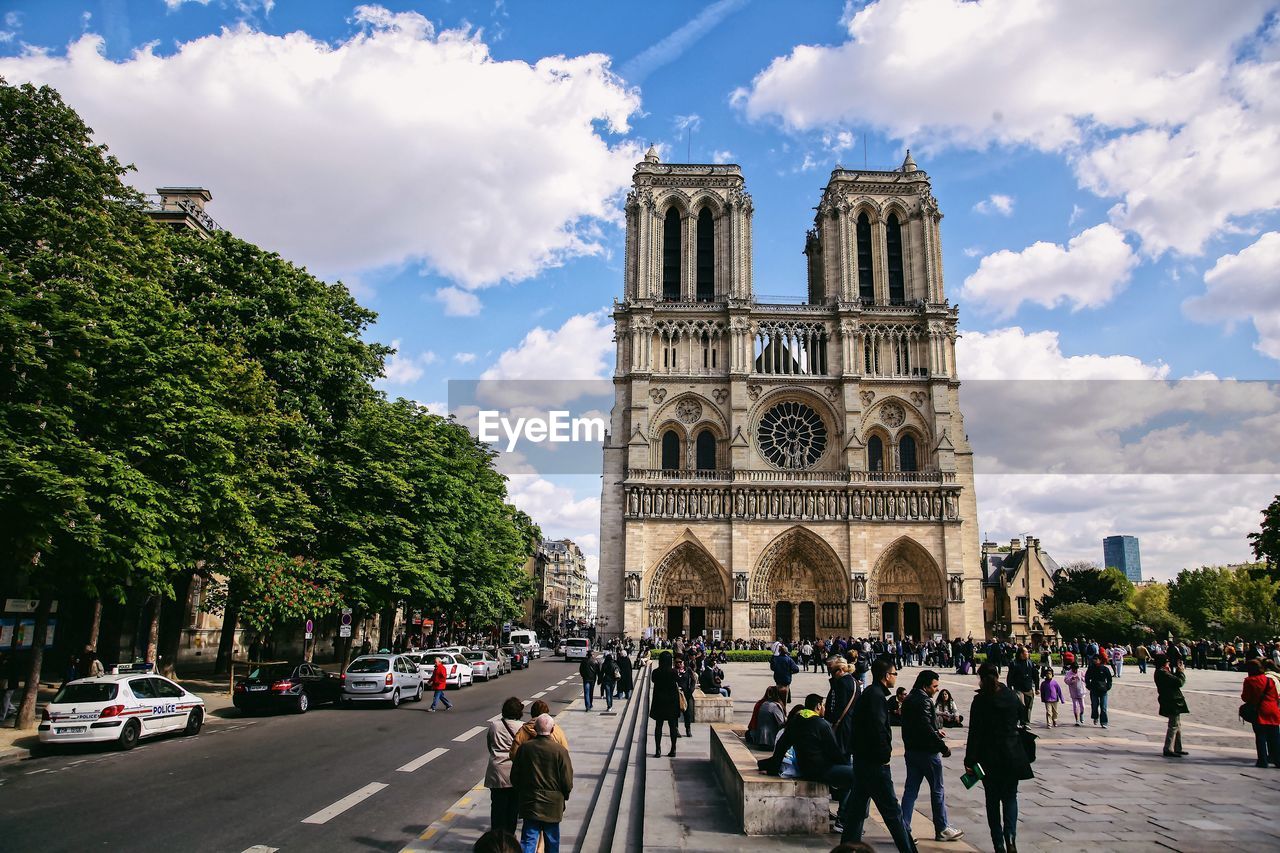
{"x":172,"y":621}
{"x":226,"y":641}
{"x":386,"y":622}
{"x":153,"y":629}
{"x":95,"y":625}
{"x":27,"y":707}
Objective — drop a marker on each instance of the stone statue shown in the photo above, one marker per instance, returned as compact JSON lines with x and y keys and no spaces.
{"x":859,"y":587}
{"x":740,"y":587}
{"x":633,"y":586}
{"x":956,"y":587}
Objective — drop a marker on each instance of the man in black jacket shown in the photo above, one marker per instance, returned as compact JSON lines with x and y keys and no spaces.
{"x":817,"y":755}
{"x":925,"y":745}
{"x":872,"y":749}
{"x":1022,"y":680}
{"x":1098,"y":681}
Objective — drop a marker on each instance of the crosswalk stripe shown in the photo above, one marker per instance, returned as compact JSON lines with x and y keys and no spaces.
{"x":354,"y":798}
{"x":468,"y":734}
{"x":422,"y":759}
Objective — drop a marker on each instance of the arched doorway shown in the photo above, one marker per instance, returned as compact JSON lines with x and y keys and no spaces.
{"x":688,"y":593}
{"x":799,"y":590}
{"x":907,"y":592}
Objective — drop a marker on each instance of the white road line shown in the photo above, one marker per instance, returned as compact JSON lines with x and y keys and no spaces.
{"x":422,"y":759}
{"x":468,"y":734}
{"x":540,"y":693}
{"x":327,"y":814}
{"x":261,"y":848}
{"x":41,"y":770}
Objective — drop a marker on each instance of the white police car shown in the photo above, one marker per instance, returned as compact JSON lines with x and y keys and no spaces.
{"x":120,"y":708}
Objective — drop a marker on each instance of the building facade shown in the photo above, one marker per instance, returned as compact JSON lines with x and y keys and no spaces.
{"x":786,"y":470}
{"x":1014,"y":581}
{"x":568,"y":570}
{"x":1121,"y":552}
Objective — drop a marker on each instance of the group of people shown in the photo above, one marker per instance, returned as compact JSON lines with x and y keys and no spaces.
{"x":529,"y":776}
{"x":674,"y":684}
{"x":612,"y":670}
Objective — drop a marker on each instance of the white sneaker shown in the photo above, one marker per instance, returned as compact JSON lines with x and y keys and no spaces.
{"x":950,"y":834}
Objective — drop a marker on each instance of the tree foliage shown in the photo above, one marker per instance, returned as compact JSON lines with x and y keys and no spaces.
{"x":1266,"y":542}
{"x":1240,"y":600}
{"x":1088,"y":584}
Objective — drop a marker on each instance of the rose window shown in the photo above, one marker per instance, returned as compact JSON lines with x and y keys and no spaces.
{"x":791,"y":435}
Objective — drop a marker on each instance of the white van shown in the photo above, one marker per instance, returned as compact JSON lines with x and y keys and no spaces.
{"x":576,"y":648}
{"x":528,"y":641}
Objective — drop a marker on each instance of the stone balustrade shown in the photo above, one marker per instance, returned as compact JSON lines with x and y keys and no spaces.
{"x":937,"y":504}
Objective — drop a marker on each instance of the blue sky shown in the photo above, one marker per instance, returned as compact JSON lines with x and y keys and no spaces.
{"x":1107,"y":176}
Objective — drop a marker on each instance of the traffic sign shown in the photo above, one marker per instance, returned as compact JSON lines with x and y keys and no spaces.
{"x":307,"y":636}
{"x":311,"y":626}
{"x":344,"y":630}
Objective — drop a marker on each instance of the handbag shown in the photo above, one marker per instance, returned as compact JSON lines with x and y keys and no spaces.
{"x":684,"y":703}
{"x":1028,"y":740}
{"x":1249,"y":711}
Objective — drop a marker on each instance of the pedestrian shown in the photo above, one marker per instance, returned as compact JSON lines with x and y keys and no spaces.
{"x":1117,"y":658}
{"x":1169,"y":683}
{"x":608,"y":678}
{"x":1262,"y":710}
{"x":872,"y":749}
{"x":590,"y":672}
{"x":924,"y":745}
{"x":994,"y":744}
{"x":439,"y":684}
{"x":1143,"y":654}
{"x":783,"y":669}
{"x":845,"y":690}
{"x":528,"y":732}
{"x":665,"y":705}
{"x":10,"y":676}
{"x":816,"y":753}
{"x":1075,"y":687}
{"x":542,"y":774}
{"x":1098,"y":680}
{"x":625,"y":683}
{"x":504,"y":806}
{"x":686,"y":682}
{"x":1050,"y":697}
{"x":1022,"y":679}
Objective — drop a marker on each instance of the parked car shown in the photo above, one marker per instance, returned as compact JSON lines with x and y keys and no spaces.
{"x":459,"y":670}
{"x":560,"y":648}
{"x":528,"y":641}
{"x":286,"y":687}
{"x":382,"y":678}
{"x":483,"y":665}
{"x":519,"y":660}
{"x":121,"y":708}
{"x":576,"y":648}
{"x":504,"y":662}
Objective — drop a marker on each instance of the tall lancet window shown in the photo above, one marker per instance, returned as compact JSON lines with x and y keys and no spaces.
{"x":866,"y":288}
{"x":671,"y":256}
{"x":670,"y":450}
{"x":706,"y":256}
{"x":893,"y":242}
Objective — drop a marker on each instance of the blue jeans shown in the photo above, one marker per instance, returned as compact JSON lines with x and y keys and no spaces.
{"x":440,"y":697}
{"x":922,"y":766}
{"x":588,"y":688}
{"x":840,"y":778}
{"x":608,"y":694}
{"x":529,"y":836}
{"x":1098,"y":706}
{"x":874,"y":782}
{"x":1001,"y":794}
{"x":1142,"y":666}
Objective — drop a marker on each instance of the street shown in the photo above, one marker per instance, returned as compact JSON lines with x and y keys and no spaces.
{"x":330,"y":779}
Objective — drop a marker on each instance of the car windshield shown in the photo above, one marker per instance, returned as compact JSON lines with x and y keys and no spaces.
{"x":92,"y":691}
{"x":275,"y":672}
{"x":473,"y":655}
{"x":369,"y":665}
{"x":578,"y":644}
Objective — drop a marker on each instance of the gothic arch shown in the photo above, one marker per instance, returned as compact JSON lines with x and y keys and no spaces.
{"x":799,"y":569}
{"x":702,"y":199}
{"x":863,"y":204}
{"x":673,"y":198}
{"x":688,"y":579}
{"x":668,"y":415}
{"x":907,"y":588}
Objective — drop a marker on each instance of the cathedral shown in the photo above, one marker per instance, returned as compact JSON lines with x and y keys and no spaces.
{"x":793,"y":470}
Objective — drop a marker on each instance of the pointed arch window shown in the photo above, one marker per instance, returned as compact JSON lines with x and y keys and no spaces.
{"x":893,"y":242}
{"x":705,"y":451}
{"x":706,"y":269}
{"x":671,"y":256}
{"x":875,"y":454}
{"x":907,"y":454}
{"x":670,"y":451}
{"x":866,"y":287}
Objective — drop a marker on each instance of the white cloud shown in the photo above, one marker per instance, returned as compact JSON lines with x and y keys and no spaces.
{"x":582,"y":348}
{"x":402,"y":369}
{"x":1012,"y":353}
{"x":997,"y":203}
{"x":435,"y":407}
{"x":672,"y":47}
{"x":457,"y":302}
{"x":1086,"y":273}
{"x":1076,"y":212}
{"x":559,"y":511}
{"x":837,"y":142}
{"x":398,"y":144}
{"x":972,"y":251}
{"x":464,"y":357}
{"x":722,"y":156}
{"x":689,"y":122}
{"x":1245,"y":286}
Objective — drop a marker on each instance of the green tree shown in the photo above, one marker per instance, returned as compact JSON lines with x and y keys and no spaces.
{"x":1203,"y":595}
{"x":1087,"y":584}
{"x":1108,"y":621}
{"x":1266,"y":542}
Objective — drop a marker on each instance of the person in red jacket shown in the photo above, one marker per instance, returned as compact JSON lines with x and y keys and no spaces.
{"x":439,"y":682}
{"x":1260,"y":691}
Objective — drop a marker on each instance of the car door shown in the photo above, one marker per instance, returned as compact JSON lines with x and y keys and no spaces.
{"x":305,"y":675}
{"x":412,"y":676}
{"x":168,"y":713}
{"x":144,"y":707}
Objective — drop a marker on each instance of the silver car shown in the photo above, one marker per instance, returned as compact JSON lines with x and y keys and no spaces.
{"x":483,"y":664}
{"x":504,"y":662}
{"x":382,"y":678}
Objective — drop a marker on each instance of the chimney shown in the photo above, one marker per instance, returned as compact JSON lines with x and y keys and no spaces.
{"x":1015,"y":544}
{"x":989,"y":545}
{"x":1033,"y":544}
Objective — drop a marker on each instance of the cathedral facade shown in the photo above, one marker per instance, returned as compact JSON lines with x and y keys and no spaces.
{"x":786,"y":470}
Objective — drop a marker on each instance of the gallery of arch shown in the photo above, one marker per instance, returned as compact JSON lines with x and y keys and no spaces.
{"x":786,"y":470}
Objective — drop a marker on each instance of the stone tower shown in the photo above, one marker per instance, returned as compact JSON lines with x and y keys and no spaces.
{"x":786,"y":470}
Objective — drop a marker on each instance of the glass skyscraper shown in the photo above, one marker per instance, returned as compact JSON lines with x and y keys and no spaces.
{"x":1121,"y":552}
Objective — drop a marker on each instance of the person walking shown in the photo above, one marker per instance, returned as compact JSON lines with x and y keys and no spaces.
{"x":542,"y":774}
{"x":1098,"y":680}
{"x":783,"y":669}
{"x":1075,"y":687}
{"x":1051,"y":698}
{"x":10,"y":677}
{"x":1262,"y":710}
{"x":925,"y":745}
{"x":686,"y":683}
{"x":590,"y":672}
{"x":1169,"y":682}
{"x":995,"y":745}
{"x":608,"y":679}
{"x":625,"y":679}
{"x":1022,"y":679}
{"x":504,"y":807}
{"x":439,"y":684}
{"x":664,"y":705}
{"x":1143,"y":654}
{"x":872,"y":749}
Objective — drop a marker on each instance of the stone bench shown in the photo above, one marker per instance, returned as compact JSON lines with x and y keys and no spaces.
{"x":764,"y":804}
{"x":708,"y":708}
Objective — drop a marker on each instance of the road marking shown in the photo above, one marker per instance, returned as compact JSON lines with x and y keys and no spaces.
{"x":422,"y":759}
{"x":261,"y":848}
{"x":468,"y":734}
{"x":540,"y":693}
{"x":34,"y":772}
{"x":354,"y":798}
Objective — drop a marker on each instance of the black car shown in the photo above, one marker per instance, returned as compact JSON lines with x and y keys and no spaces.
{"x":287,"y":687}
{"x":519,"y":660}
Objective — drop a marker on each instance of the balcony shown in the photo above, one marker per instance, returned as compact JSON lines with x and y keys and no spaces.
{"x":689,"y":475}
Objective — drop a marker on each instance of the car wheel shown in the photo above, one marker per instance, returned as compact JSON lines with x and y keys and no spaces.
{"x":395,"y":698}
{"x":304,"y":702}
{"x":129,"y":735}
{"x":417,"y":697}
{"x":194,"y":721}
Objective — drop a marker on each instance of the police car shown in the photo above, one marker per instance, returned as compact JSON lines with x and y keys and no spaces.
{"x":120,"y":708}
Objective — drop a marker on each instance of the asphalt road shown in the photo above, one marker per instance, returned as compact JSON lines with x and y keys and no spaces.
{"x":276,"y":781}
